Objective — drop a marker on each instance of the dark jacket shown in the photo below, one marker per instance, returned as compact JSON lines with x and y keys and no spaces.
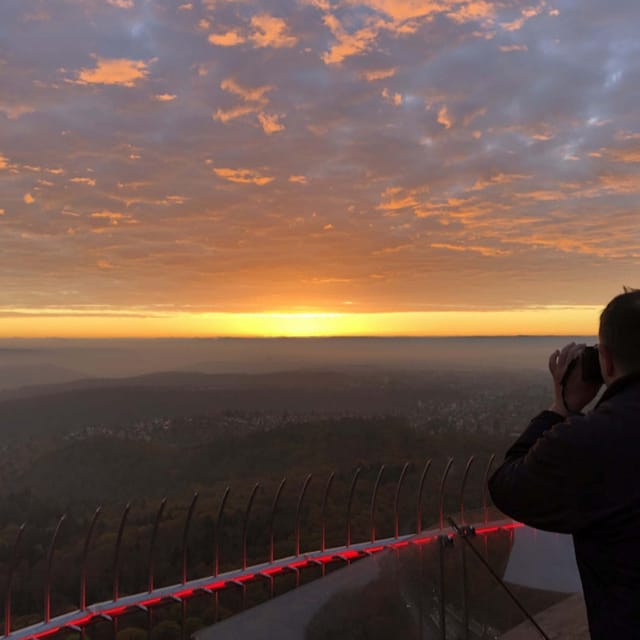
{"x":581,"y":475}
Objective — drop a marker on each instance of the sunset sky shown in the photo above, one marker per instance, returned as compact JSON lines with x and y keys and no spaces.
{"x":296,"y":167}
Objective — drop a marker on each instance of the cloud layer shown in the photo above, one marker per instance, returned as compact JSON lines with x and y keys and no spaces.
{"x":375,"y":155}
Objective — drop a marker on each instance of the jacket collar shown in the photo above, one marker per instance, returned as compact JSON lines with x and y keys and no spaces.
{"x":618,"y":385}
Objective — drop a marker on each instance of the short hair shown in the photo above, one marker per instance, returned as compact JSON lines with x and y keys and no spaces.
{"x":620,"y":330}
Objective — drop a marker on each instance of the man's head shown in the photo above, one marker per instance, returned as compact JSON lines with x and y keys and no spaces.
{"x":620,"y":336}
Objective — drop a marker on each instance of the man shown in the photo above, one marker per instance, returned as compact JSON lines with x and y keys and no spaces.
{"x":580,"y":474}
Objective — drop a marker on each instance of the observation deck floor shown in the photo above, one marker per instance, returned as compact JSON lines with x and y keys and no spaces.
{"x":566,"y":620}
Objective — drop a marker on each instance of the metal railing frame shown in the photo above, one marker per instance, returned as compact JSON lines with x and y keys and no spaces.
{"x":267,"y":571}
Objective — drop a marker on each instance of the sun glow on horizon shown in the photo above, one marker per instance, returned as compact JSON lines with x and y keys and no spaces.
{"x":65,"y":323}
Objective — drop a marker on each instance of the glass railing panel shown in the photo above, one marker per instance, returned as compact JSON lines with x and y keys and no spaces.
{"x":533,"y":571}
{"x":394,"y":593}
{"x":446,"y":588}
{"x":376,"y":597}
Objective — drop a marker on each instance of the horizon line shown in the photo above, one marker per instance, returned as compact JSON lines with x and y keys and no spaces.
{"x":309,"y":337}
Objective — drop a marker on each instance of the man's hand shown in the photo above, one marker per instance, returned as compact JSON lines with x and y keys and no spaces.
{"x":577,"y":393}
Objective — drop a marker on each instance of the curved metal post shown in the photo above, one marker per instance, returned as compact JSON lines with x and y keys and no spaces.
{"x":47,"y":583}
{"x":443,"y":482}
{"x":323,"y":517}
{"x":485,"y":487}
{"x":116,"y":557}
{"x":423,"y":478}
{"x":12,"y":567}
{"x":276,"y":499}
{"x":465,"y":477}
{"x":465,"y":594}
{"x":216,"y":551}
{"x":185,"y":541}
{"x":85,"y":555}
{"x":303,"y":492}
{"x":372,"y":512}
{"x":152,"y":550}
{"x":152,"y":545}
{"x":216,"y":532}
{"x":245,"y":526}
{"x":396,"y":502}
{"x":185,"y":536}
{"x":356,"y":475}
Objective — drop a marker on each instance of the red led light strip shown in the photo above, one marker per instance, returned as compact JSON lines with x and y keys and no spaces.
{"x":504,"y":527}
{"x":132,"y":603}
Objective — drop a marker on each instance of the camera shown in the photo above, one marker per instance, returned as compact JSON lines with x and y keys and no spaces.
{"x":590,"y":366}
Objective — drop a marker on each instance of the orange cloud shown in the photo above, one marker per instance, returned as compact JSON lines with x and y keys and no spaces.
{"x":470,"y":117}
{"x":444,"y":117}
{"x":402,"y":10}
{"x":630,"y":155}
{"x":270,"y":31}
{"x":121,"y":4}
{"x":500,"y":178}
{"x":543,"y":195}
{"x":134,"y":184}
{"x":254,"y":101}
{"x":403,"y":17}
{"x":542,"y":136}
{"x":165,"y":97}
{"x":229,"y":39}
{"x":508,"y":48}
{"x":249,"y":94}
{"x":482,"y":250}
{"x":4,"y":162}
{"x":14,"y":111}
{"x":28,"y":198}
{"x":566,"y":244}
{"x":225,"y":115}
{"x":379,"y":74}
{"x":627,"y":135}
{"x":526,"y":14}
{"x":347,"y":44}
{"x":298,"y":179}
{"x":270,"y":123}
{"x":621,"y":183}
{"x":476,"y":10}
{"x":114,"y":217}
{"x":393,"y":199}
{"x":396,"y":98}
{"x":176,"y":199}
{"x":323,"y":5}
{"x":264,"y":31}
{"x":243,"y":176}
{"x":113,"y":71}
{"x":90,"y":182}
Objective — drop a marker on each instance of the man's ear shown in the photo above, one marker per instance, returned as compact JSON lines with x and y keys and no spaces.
{"x":607,"y":366}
